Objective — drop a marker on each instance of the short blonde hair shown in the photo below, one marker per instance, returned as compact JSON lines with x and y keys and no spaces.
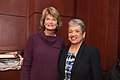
{"x":52,"y":11}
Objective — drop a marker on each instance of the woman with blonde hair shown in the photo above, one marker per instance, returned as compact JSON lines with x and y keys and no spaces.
{"x":43,"y":48}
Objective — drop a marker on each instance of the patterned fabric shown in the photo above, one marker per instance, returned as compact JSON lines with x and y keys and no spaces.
{"x":69,"y":64}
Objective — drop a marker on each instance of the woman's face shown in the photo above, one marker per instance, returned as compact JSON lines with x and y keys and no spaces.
{"x":75,"y":34}
{"x":50,"y":23}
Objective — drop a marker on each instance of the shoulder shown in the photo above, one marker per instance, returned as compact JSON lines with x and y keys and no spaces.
{"x":32,"y":38}
{"x":90,"y":48}
{"x":65,"y":48}
{"x":60,"y":40}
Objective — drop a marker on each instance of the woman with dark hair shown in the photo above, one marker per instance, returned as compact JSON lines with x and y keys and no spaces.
{"x":79,"y":61}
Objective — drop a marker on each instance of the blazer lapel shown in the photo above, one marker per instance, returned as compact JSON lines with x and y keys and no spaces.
{"x":79,"y":54}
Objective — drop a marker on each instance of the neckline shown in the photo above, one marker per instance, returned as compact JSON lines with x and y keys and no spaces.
{"x":74,"y":54}
{"x":49,"y":40}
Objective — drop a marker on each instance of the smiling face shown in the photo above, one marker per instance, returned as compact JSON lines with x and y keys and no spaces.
{"x":75,"y":34}
{"x":50,"y":23}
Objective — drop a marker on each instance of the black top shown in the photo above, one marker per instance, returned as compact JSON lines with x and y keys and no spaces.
{"x":87,"y":65}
